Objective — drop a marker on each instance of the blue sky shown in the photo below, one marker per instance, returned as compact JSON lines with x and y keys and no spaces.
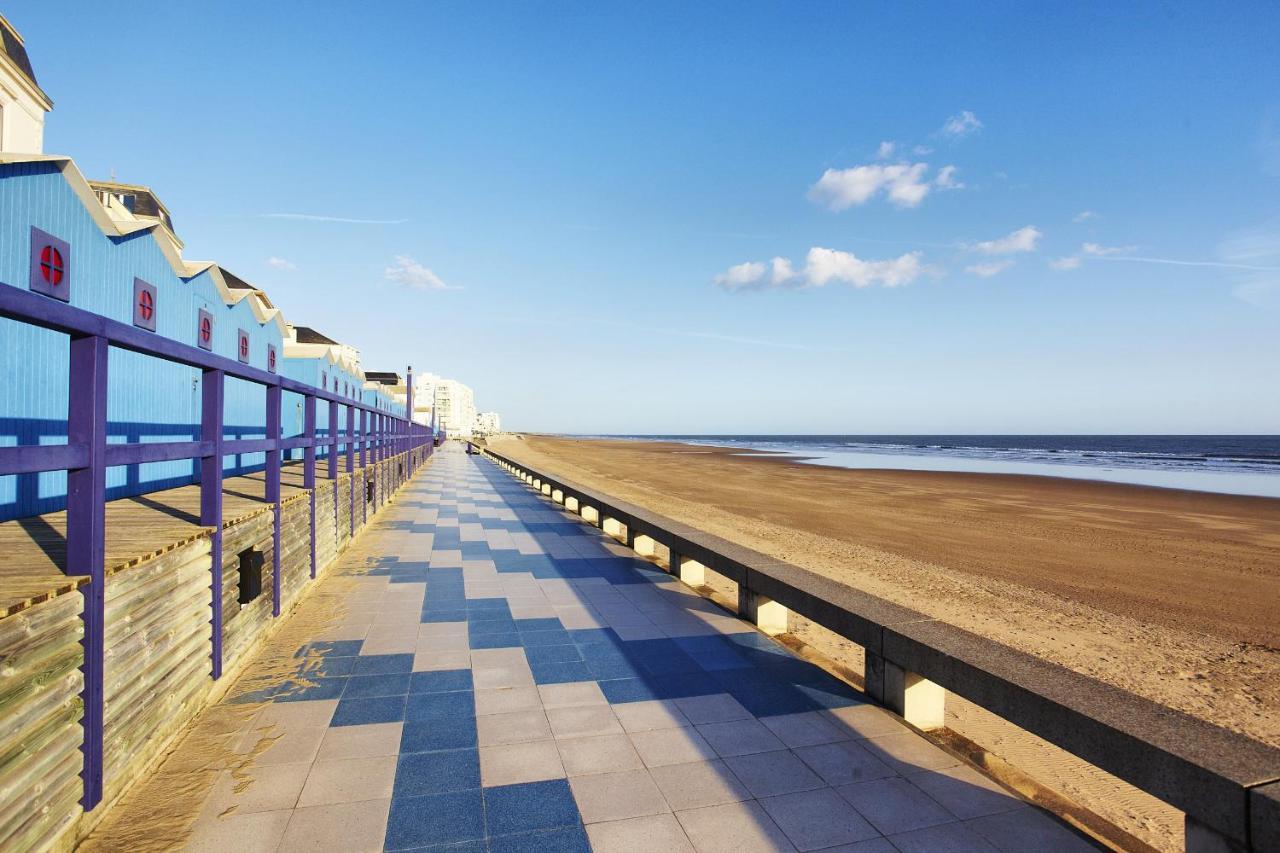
{"x":595,"y":185}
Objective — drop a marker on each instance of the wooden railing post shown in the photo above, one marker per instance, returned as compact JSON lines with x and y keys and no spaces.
{"x":309,"y":466}
{"x":273,"y":491}
{"x":364,"y":464}
{"x":86,"y":538}
{"x":212,"y":384}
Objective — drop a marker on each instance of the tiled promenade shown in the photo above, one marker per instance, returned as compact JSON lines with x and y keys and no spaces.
{"x":505,"y":678}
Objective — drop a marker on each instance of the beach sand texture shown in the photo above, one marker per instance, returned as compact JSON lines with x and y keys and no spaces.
{"x":1172,"y":595}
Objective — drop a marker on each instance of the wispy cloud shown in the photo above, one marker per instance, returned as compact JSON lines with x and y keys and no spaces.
{"x":885,"y":151}
{"x":311,"y":217}
{"x":946,"y":179}
{"x":1084,"y":216}
{"x":281,"y":264}
{"x":1224,"y":265}
{"x":1070,"y":262}
{"x":903,"y":184}
{"x":408,"y":272}
{"x":1097,"y":250}
{"x":961,"y":124}
{"x":989,"y":268}
{"x":822,"y":267}
{"x":1023,"y":240}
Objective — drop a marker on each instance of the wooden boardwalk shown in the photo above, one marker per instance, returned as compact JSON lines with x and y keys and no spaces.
{"x":33,"y":550}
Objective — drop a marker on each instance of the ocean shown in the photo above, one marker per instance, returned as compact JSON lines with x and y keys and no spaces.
{"x":1232,"y":464}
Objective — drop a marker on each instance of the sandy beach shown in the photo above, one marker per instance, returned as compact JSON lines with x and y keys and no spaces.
{"x":1169,"y":594}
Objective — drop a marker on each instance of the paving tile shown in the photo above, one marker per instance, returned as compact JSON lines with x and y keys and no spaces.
{"x":965,"y":792}
{"x":257,"y":832}
{"x":504,"y":676}
{"x":288,"y":714}
{"x":358,"y":712}
{"x":365,"y":741}
{"x":698,"y":784}
{"x":529,"y":807}
{"x":617,"y":796}
{"x":1028,"y":829}
{"x":739,"y":737}
{"x":419,"y":773}
{"x":439,"y":706}
{"x":660,"y":747}
{"x":424,"y":661}
{"x":640,"y":835}
{"x":367,"y":686}
{"x":583,"y":721}
{"x":733,"y":828}
{"x":816,"y":819}
{"x":844,"y":762}
{"x":349,"y":780}
{"x":907,"y":752}
{"x":565,"y":839}
{"x":946,"y":838}
{"x":603,"y":754}
{"x":275,"y":744}
{"x":771,"y":774}
{"x":383,"y":664}
{"x":512,"y":727}
{"x":859,"y":721}
{"x":503,"y":700}
{"x":441,"y":681}
{"x":715,"y":708}
{"x":258,"y":789}
{"x":804,"y":729}
{"x":516,"y":763}
{"x":651,"y":715}
{"x":435,"y":819}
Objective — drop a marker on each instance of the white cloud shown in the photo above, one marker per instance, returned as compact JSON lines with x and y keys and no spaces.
{"x":885,"y":151}
{"x":840,"y":189}
{"x":946,"y":179}
{"x":308,"y":217}
{"x":1099,"y":251}
{"x":989,"y":268}
{"x":921,"y":150}
{"x":962,"y":124}
{"x":741,"y":276}
{"x":823,"y":266}
{"x":1084,"y":216}
{"x":410,"y":273}
{"x":281,"y":264}
{"x":781,"y":272}
{"x":1063,"y":264}
{"x":826,"y":265}
{"x":1022,"y":240}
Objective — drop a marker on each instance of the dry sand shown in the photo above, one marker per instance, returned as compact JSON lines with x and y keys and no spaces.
{"x":1172,"y":595}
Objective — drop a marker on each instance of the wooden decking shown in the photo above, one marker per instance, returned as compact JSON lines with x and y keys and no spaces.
{"x":33,"y":551}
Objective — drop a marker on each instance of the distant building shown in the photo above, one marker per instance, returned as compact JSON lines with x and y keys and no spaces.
{"x":487,"y":423}
{"x":22,"y":102}
{"x":455,"y":408}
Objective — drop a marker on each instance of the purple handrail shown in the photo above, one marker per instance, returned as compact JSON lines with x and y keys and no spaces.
{"x":87,"y":455}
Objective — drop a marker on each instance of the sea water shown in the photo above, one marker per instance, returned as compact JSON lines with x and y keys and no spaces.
{"x":1232,"y":464}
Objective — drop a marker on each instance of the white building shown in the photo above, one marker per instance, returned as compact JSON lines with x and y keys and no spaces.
{"x":488,"y":423}
{"x":455,"y":408}
{"x":22,"y":102}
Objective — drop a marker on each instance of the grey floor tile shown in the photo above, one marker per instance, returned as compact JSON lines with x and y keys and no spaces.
{"x":817,"y":819}
{"x":733,"y":828}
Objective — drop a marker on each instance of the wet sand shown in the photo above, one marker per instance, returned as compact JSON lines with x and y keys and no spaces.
{"x":1170,"y":594}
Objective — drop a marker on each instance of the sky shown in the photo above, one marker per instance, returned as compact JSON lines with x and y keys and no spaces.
{"x":729,"y":217}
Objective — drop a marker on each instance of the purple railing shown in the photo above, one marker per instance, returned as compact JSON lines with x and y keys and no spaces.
{"x":87,"y":455}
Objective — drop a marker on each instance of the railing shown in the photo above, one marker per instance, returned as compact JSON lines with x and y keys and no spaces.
{"x":1227,"y":785}
{"x":87,"y":455}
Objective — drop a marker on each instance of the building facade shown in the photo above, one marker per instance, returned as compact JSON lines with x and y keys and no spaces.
{"x":488,"y":423}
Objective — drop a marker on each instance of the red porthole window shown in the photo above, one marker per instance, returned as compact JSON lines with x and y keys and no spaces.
{"x":324,"y":381}
{"x":144,"y":305}
{"x":204,"y":330}
{"x":271,"y":358}
{"x":243,"y":347}
{"x":50,"y":265}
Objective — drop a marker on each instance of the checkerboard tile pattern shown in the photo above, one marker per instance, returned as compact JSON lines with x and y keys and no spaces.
{"x":506,"y":678}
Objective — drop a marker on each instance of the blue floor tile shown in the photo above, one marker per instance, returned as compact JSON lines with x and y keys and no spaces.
{"x":383,"y":664}
{"x":435,"y":734}
{"x":546,"y":624}
{"x":441,"y":681}
{"x":419,"y":773}
{"x":453,"y":615}
{"x":568,"y":839}
{"x":359,"y":712}
{"x":496,"y":624}
{"x":534,"y":639}
{"x":365,"y":686}
{"x":559,"y":672}
{"x":494,"y":641}
{"x":621,"y":690}
{"x":440,"y":706}
{"x":552,"y":654}
{"x":529,"y":807}
{"x":435,"y":819}
{"x":337,"y":648}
